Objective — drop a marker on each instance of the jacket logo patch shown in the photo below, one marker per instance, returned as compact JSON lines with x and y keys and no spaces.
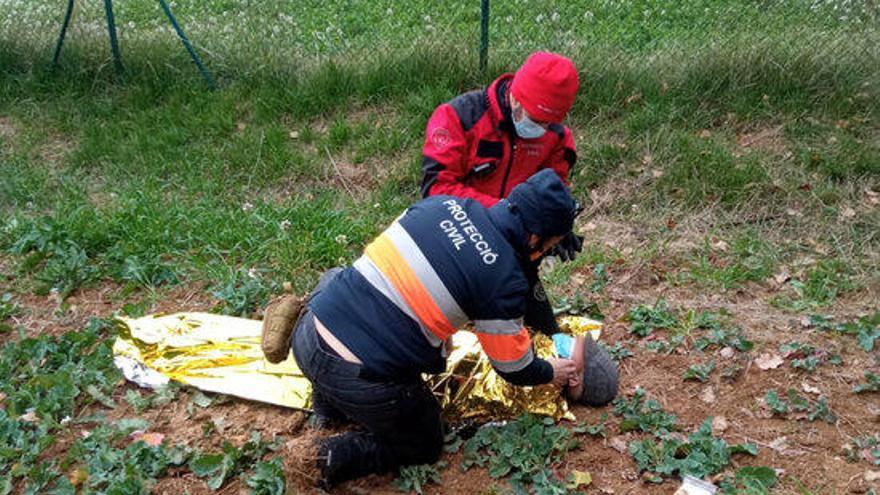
{"x":532,"y":149}
{"x":441,"y":137}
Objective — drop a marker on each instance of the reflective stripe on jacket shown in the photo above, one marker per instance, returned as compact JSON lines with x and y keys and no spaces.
{"x":445,"y":262}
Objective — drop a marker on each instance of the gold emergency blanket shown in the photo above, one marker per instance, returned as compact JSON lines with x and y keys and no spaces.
{"x":222,"y":354}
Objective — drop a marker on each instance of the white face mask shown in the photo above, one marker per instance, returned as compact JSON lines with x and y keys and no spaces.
{"x":527,"y":129}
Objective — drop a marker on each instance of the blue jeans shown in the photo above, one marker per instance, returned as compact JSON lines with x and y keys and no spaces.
{"x":401,"y":420}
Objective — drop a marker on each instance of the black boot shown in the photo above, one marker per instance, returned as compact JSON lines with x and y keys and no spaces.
{"x":349,"y":456}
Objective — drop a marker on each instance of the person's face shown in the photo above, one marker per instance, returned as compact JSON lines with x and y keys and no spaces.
{"x":576,"y":384}
{"x":518,"y":112}
{"x":540,"y":245}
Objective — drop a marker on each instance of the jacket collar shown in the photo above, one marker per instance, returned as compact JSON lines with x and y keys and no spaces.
{"x":499,"y":105}
{"x":506,"y":219}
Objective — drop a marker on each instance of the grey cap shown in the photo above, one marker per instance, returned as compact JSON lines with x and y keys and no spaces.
{"x":600,"y":375}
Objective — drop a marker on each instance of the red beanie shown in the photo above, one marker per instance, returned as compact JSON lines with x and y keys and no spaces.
{"x":545,"y":86}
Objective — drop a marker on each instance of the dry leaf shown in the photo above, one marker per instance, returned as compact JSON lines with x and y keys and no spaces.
{"x":810,"y":389}
{"x":78,"y":477}
{"x":708,"y":395}
{"x":782,"y":447}
{"x":782,"y":276}
{"x":619,"y":444}
{"x":721,"y":246}
{"x":768,"y":361}
{"x":719,"y":425}
{"x":577,"y":479}
{"x":873,"y":196}
{"x":30,"y":417}
{"x":656,"y":173}
{"x":872,"y":476}
{"x":671,"y":223}
{"x":151,"y":439}
{"x":704,"y":133}
{"x":219,"y":422}
{"x":636,"y":98}
{"x":848,"y":212}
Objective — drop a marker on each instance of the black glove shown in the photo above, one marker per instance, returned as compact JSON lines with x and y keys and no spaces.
{"x":568,"y":247}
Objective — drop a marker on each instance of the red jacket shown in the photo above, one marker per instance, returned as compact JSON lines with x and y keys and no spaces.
{"x":472,"y":151}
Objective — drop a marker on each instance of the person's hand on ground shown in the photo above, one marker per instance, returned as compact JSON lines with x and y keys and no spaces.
{"x":563,"y":371}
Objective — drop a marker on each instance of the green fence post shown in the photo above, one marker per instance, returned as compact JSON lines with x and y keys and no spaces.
{"x":484,"y":35}
{"x":63,"y":33}
{"x":192,"y":53}
{"x":111,"y":28}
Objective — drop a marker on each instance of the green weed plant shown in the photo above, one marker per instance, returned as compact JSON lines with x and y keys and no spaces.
{"x":811,"y":410}
{"x":640,"y":413}
{"x":699,"y":456}
{"x":872,"y":384}
{"x":618,"y":351}
{"x":525,"y":450}
{"x":807,"y":357}
{"x":416,"y":477}
{"x":865,"y":329}
{"x":645,"y":319}
{"x":864,"y":448}
{"x":699,"y":372}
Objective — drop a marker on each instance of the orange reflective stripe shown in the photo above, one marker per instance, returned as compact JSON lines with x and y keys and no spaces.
{"x":505,"y":347}
{"x":387,"y":258}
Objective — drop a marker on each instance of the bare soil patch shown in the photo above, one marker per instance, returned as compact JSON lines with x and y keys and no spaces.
{"x":767,"y":138}
{"x":7,"y":128}
{"x":47,"y":315}
{"x":810,"y":452}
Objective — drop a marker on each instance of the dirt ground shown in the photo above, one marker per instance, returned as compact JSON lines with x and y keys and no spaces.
{"x":803,"y":453}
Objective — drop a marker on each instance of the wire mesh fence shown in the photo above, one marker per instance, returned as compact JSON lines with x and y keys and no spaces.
{"x":239,"y":34}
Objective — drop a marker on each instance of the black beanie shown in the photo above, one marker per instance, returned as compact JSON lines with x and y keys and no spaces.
{"x":544,"y":204}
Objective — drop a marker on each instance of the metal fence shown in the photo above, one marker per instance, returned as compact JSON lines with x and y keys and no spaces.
{"x":238,"y":33}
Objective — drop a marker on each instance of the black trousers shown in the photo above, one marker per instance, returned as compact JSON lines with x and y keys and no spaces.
{"x":400,"y":420}
{"x":539,"y":312}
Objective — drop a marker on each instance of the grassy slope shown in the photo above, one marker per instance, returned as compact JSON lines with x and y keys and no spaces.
{"x":161,"y":154}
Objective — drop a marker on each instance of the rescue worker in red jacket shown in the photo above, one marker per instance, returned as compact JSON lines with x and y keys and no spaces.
{"x":483,"y":143}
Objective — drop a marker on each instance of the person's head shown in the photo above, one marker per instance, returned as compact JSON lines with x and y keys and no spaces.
{"x":546,"y":209}
{"x":595,"y":383}
{"x":542,"y":92}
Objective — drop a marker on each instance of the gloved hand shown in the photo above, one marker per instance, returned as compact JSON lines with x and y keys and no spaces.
{"x":568,"y":247}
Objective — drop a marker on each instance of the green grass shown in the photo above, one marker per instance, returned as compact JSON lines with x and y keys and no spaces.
{"x":150,"y":179}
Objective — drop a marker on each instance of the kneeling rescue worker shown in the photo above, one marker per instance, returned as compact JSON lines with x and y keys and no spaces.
{"x":370,"y":331}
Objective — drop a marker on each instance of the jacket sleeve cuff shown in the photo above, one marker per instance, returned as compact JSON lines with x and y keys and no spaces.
{"x":538,"y":372}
